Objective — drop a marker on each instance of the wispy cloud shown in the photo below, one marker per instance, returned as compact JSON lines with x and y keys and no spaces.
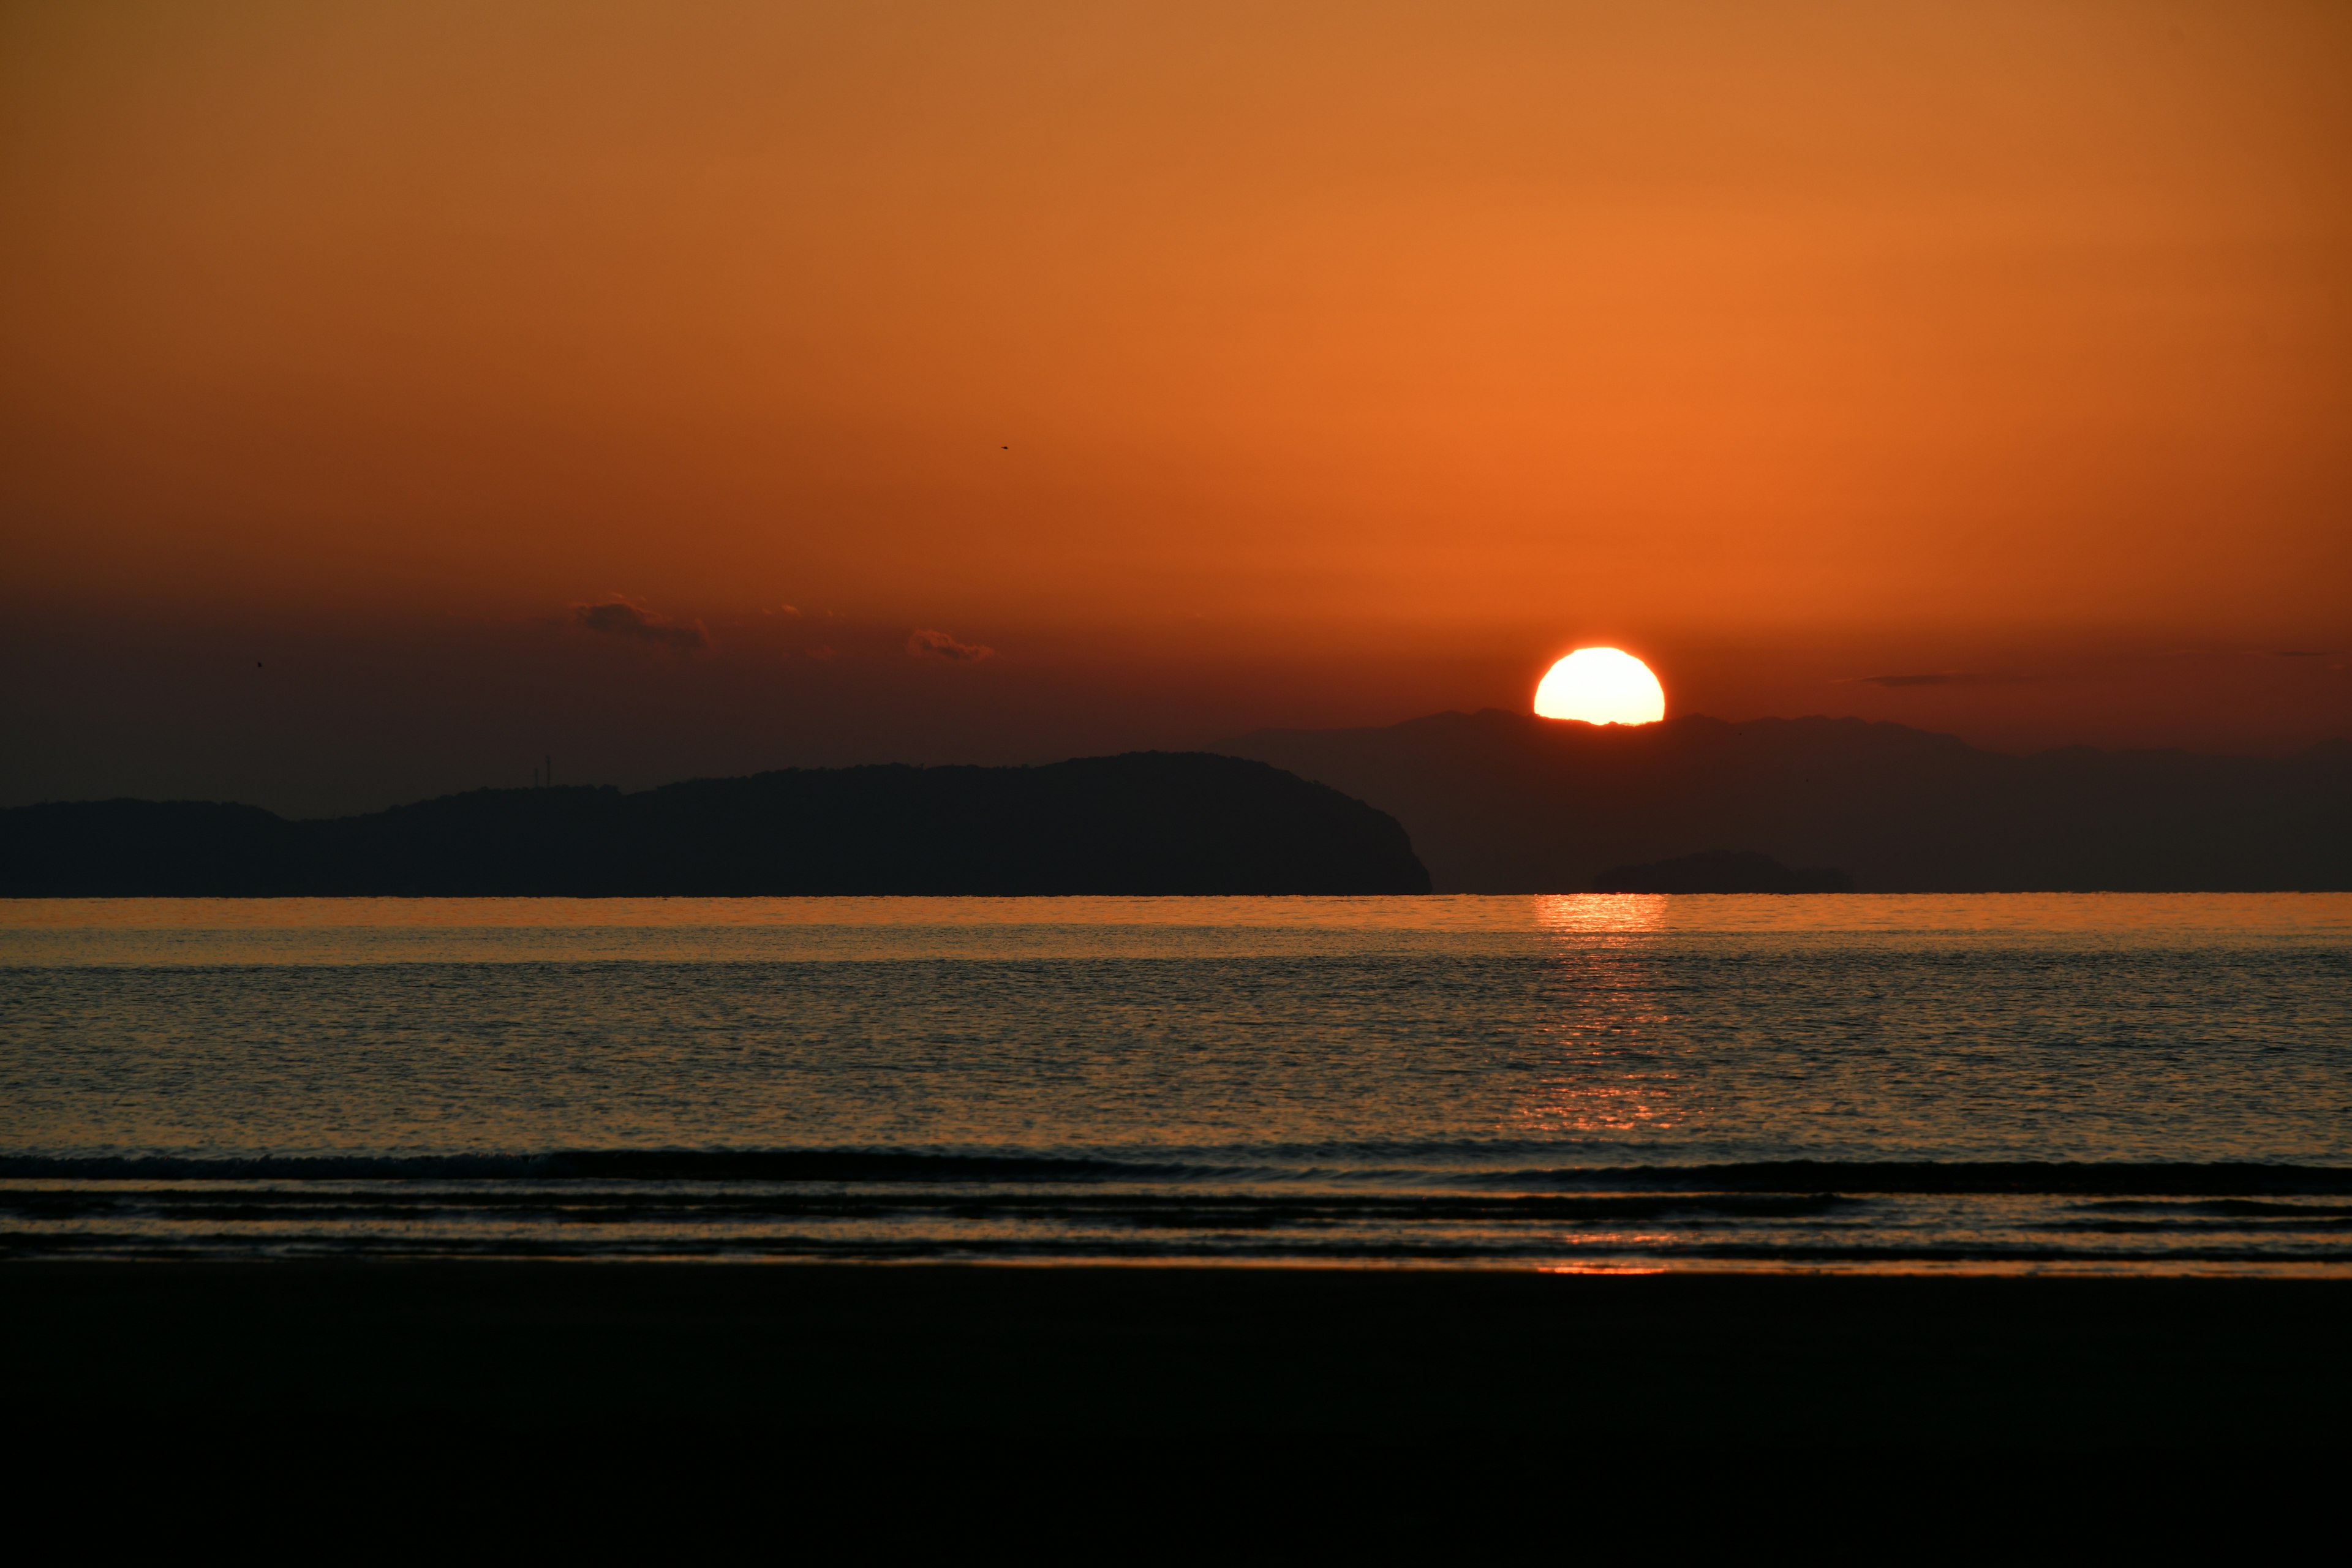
{"x":939,"y":645}
{"x":618,"y":617}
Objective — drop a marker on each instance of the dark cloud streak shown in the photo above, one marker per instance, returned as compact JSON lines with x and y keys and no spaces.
{"x":618,"y":617}
{"x":930,"y":644}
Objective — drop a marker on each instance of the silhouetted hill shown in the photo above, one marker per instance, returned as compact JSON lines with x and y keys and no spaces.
{"x":1500,"y":802}
{"x":1722,"y":871}
{"x":1149,"y":822}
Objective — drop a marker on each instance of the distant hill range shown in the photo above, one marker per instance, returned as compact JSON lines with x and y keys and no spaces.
{"x":1149,"y":822}
{"x":1499,"y":801}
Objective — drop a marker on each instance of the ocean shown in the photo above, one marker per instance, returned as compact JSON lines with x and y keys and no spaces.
{"x":2137,"y":1084}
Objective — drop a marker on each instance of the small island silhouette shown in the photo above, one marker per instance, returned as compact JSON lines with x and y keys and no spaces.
{"x":1722,"y":871}
{"x":1144,"y":823}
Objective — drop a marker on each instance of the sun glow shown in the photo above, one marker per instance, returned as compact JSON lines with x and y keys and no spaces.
{"x":1602,"y":686}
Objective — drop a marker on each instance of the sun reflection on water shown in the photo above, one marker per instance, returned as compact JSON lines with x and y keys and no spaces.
{"x":1580,"y":912}
{"x":1605,"y":1074}
{"x":1600,"y":1268}
{"x":1637,"y":1102}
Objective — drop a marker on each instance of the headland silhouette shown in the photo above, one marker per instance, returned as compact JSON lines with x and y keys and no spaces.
{"x":1143,"y":823}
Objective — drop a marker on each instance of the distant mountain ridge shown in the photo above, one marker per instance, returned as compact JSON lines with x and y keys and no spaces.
{"x":1147,"y":822}
{"x":1502,"y":802}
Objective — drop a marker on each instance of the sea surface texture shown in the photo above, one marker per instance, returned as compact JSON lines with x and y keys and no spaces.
{"x":2123,"y":1083}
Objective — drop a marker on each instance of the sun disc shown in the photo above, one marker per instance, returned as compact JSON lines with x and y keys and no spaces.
{"x":1600,"y":686}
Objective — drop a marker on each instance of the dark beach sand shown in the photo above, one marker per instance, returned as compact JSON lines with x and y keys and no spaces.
{"x":2051,"y":1365}
{"x":848,"y":1413}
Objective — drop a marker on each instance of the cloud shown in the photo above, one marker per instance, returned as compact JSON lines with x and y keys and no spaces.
{"x":618,"y":617}
{"x":939,"y":645}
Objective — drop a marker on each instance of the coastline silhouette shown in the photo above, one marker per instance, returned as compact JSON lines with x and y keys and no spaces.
{"x":1143,"y":823}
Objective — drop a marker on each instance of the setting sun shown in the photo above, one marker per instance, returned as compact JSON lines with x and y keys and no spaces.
{"x":1602,"y":686}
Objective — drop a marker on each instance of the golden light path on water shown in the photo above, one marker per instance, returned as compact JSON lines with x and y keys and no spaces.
{"x":374,"y":930}
{"x":2277,"y":914}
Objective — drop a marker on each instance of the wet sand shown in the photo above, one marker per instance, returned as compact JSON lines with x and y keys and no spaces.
{"x":1334,"y":1358}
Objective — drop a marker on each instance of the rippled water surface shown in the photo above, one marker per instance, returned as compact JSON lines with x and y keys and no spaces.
{"x":2151,"y":1083}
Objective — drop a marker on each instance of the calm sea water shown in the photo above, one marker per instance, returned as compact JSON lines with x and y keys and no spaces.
{"x":2131,"y":1083}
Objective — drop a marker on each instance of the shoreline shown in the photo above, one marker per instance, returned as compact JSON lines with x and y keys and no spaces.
{"x":2082,"y":1269}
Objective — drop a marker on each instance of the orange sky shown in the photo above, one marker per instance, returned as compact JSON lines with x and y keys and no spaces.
{"x":1381,"y":351}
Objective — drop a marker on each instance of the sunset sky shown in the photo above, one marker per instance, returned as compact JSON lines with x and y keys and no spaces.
{"x":398,"y":393}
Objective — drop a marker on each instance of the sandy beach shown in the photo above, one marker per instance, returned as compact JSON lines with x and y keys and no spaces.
{"x":2008,"y":1365}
